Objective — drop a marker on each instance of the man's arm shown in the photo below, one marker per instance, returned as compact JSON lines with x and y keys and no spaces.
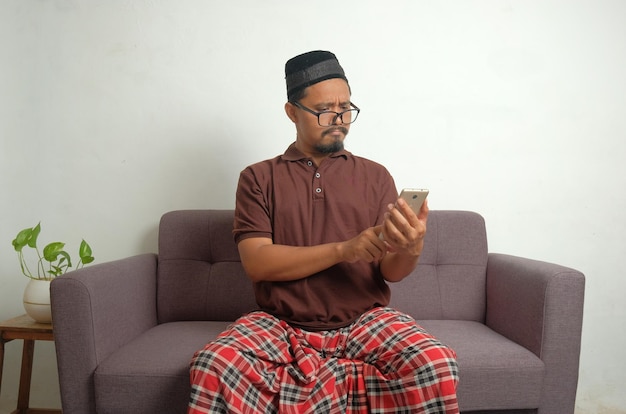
{"x":265,"y":261}
{"x":398,"y":254}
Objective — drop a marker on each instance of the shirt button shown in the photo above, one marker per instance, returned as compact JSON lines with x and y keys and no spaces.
{"x":318,"y":190}
{"x":317,"y":175}
{"x":309,"y":163}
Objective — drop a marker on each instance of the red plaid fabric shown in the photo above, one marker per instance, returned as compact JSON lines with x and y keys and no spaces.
{"x":382,"y":363}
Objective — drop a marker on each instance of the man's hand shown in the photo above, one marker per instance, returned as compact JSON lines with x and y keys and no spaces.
{"x":367,"y":246}
{"x":403,"y":230}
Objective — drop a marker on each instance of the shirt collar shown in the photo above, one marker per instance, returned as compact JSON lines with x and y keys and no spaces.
{"x":294,"y":154}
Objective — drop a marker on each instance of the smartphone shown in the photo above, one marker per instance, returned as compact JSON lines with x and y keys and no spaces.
{"x":414,"y":197}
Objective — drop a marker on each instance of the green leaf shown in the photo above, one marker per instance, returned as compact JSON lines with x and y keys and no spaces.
{"x":52,"y":251}
{"x":65,"y":257}
{"x":87,"y":259}
{"x":55,"y":271}
{"x":85,"y":253}
{"x":22,"y":238}
{"x":85,"y":250}
{"x":33,"y":238}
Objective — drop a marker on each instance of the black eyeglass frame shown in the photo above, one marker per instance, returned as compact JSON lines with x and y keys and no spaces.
{"x":337,"y":114}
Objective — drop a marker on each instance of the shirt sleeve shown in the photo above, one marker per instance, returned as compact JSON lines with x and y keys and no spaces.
{"x":252,"y":209}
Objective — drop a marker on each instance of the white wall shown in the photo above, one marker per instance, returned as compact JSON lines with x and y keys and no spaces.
{"x":112,"y":113}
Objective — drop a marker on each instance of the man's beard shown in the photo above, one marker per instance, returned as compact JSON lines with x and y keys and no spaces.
{"x":334,"y":146}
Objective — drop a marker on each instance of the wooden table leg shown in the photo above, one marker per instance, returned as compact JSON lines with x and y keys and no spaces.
{"x":1,"y":362}
{"x":22,"y":327}
{"x":23,"y":396}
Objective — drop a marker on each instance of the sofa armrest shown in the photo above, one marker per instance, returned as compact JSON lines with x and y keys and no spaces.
{"x":539,"y":305}
{"x":95,"y":311}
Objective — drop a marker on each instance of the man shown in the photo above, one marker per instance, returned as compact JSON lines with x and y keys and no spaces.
{"x":308,"y":227}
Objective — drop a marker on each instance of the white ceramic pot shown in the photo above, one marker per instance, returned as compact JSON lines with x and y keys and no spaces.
{"x":37,"y":300}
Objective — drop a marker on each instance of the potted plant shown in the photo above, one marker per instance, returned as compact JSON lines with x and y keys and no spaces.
{"x":53,"y":261}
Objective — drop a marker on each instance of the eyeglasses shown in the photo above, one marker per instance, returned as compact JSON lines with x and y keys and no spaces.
{"x":328,"y":118}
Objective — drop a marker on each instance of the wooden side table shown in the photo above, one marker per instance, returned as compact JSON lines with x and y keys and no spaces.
{"x":25,"y":328}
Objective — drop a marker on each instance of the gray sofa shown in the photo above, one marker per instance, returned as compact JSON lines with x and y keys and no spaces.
{"x":126,"y":330}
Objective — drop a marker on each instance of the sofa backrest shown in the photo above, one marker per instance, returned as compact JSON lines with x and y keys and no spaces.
{"x":200,"y":276}
{"x":450,"y":279}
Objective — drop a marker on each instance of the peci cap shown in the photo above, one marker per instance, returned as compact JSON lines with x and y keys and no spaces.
{"x":310,"y":68}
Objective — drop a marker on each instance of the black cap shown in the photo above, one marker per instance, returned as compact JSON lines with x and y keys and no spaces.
{"x":310,"y":68}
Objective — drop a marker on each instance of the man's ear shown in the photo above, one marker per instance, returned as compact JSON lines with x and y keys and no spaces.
{"x":290,"y":110}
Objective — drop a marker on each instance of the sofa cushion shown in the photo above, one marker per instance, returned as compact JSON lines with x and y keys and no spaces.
{"x":152,"y":370}
{"x":494,"y":372}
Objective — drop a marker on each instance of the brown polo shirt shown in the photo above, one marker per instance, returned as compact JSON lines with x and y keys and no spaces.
{"x":294,"y":202}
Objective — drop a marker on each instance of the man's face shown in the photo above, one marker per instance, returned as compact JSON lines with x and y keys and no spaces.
{"x":315,"y":140}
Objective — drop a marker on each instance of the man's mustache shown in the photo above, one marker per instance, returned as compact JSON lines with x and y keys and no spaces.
{"x":341,"y":129}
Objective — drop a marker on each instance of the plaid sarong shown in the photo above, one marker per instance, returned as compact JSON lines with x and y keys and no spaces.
{"x":382,"y":363}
